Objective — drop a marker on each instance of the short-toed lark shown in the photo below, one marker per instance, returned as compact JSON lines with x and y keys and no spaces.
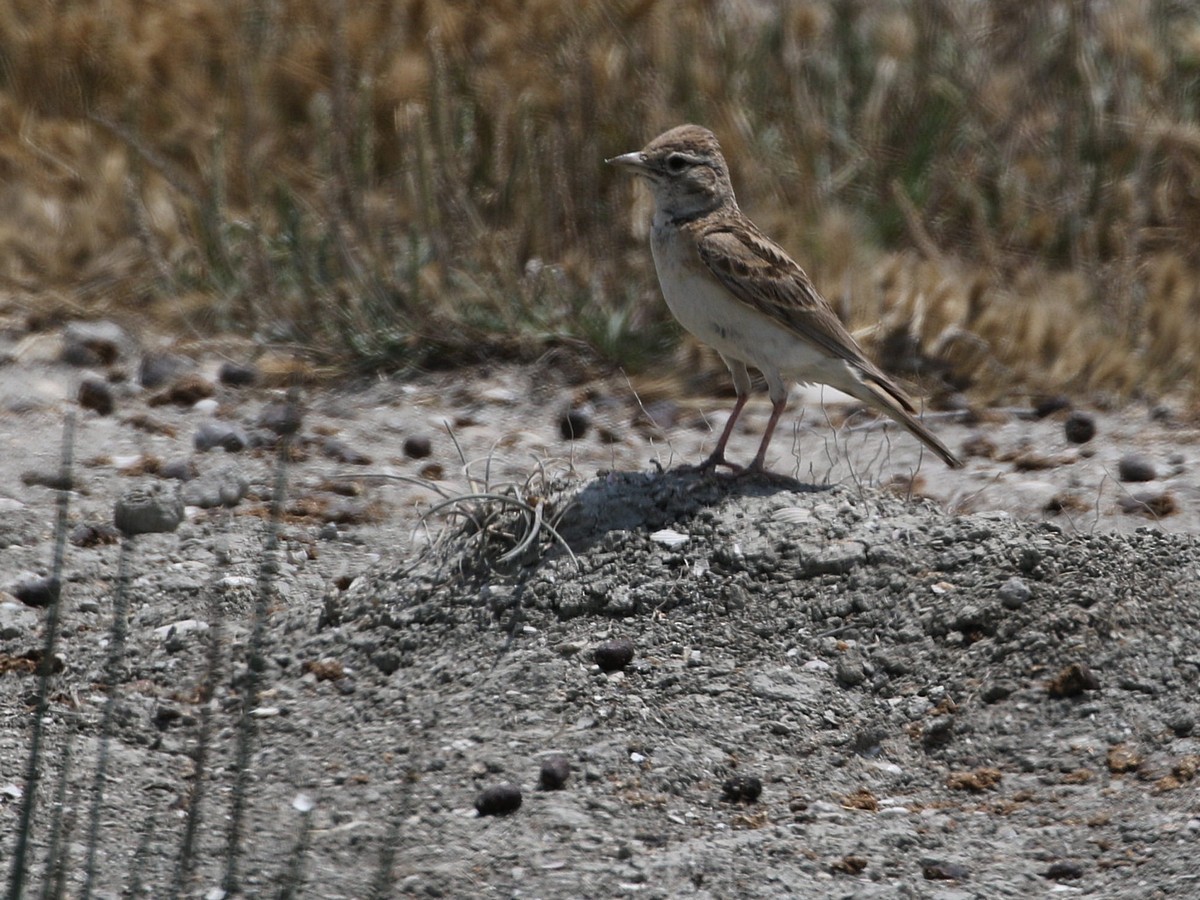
{"x":740,"y":293}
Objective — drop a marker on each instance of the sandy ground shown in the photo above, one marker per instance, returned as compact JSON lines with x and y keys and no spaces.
{"x":879,"y":658}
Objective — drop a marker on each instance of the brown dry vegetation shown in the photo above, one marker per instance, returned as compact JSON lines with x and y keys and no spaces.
{"x":1012,"y":189}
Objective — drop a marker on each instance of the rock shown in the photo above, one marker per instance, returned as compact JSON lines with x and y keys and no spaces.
{"x":218,"y":433}
{"x":84,"y":535}
{"x":1073,"y":680}
{"x":224,"y":487}
{"x":741,"y":789}
{"x":1135,"y":467}
{"x":185,"y":391}
{"x":36,"y":590}
{"x":575,"y":422}
{"x":158,"y":368}
{"x":340,"y":451}
{"x":612,"y":656}
{"x":1063,"y":870}
{"x":99,"y":343}
{"x":148,"y":510}
{"x":283,"y":417}
{"x":96,"y":395}
{"x":178,"y":469}
{"x":1014,"y":593}
{"x":237,"y":374}
{"x":556,"y":769}
{"x":850,"y":670}
{"x":417,"y":446}
{"x":18,"y":621}
{"x":1050,"y":404}
{"x":498,"y":800}
{"x":1080,"y":427}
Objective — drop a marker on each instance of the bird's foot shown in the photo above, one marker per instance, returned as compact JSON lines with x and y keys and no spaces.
{"x":714,"y":460}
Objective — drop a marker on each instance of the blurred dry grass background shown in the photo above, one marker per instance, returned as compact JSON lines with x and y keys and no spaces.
{"x":1005,"y":194}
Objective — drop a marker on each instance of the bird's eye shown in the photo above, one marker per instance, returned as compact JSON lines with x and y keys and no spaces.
{"x":677,"y":162}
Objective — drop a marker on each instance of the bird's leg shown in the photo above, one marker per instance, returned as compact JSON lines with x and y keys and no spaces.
{"x":777,"y":408}
{"x":717,"y":457}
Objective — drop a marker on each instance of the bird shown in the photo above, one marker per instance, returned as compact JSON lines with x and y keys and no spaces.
{"x":740,"y":293}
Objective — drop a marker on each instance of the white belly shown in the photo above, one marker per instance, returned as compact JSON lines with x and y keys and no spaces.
{"x":705,"y":308}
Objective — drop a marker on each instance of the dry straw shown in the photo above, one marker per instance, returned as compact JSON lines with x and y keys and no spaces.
{"x":390,"y":181}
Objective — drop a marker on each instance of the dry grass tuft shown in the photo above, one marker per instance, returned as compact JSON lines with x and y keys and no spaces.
{"x":1005,"y":191}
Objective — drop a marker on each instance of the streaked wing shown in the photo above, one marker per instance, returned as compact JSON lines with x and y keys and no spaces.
{"x":758,"y":272}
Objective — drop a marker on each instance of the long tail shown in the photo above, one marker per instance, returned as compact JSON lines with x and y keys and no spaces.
{"x":880,"y":392}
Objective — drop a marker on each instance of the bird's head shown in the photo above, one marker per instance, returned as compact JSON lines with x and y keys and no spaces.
{"x":686,"y":171}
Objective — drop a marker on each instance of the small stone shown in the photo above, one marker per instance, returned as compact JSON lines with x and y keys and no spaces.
{"x":17,"y":620}
{"x":37,"y":591}
{"x":1072,"y":681}
{"x":741,"y":789}
{"x":850,"y":670}
{"x":614,"y":655}
{"x":85,"y":535}
{"x":417,"y":446}
{"x":555,"y":771}
{"x":1014,"y":593}
{"x":237,"y":374}
{"x":185,"y":391}
{"x":217,"y":433}
{"x":1135,"y":467}
{"x":498,"y":800}
{"x":1050,"y":404}
{"x":156,"y":369}
{"x":148,"y":510}
{"x":1151,"y":504}
{"x":99,"y":343}
{"x":945,"y":871}
{"x":340,"y":451}
{"x":97,"y":396}
{"x":1063,"y":870}
{"x":574,"y":423}
{"x":1080,"y":427}
{"x":178,"y":470}
{"x":284,"y":417}
{"x":225,"y":487}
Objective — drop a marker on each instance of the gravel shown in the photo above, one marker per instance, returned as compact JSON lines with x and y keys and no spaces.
{"x":827,"y":691}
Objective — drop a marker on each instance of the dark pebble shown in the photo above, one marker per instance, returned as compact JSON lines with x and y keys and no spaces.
{"x":943,"y":871}
{"x":284,"y":417}
{"x":741,"y":789}
{"x":574,"y":423}
{"x":156,"y":369}
{"x":84,"y":535}
{"x":1072,"y":681}
{"x":498,"y":800}
{"x":1046,"y":406}
{"x":417,"y":446}
{"x":1064,"y":870}
{"x":612,"y":656}
{"x":178,"y":470}
{"x":97,"y":396}
{"x":37,"y":591}
{"x":340,"y":451}
{"x":1079,"y":427}
{"x":556,"y":770}
{"x":185,"y":391}
{"x":150,"y":510}
{"x":1014,"y":593}
{"x":216,"y":433}
{"x":97,"y":343}
{"x":237,"y":375}
{"x":1135,"y":467}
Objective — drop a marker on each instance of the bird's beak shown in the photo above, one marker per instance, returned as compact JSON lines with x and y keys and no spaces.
{"x":635,"y":162}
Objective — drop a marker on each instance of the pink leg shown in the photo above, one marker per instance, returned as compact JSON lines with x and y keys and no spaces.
{"x":777,"y":409}
{"x":717,"y":457}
